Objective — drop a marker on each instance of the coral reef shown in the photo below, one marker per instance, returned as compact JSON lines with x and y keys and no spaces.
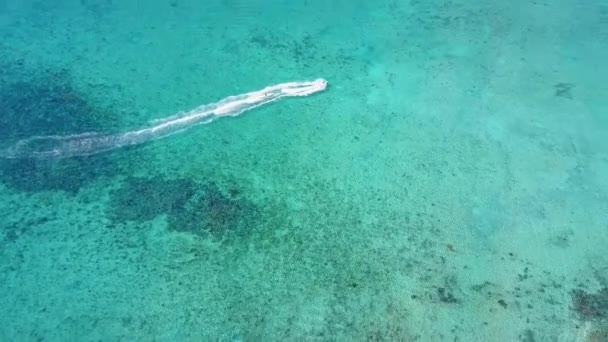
{"x":590,"y":306}
{"x":68,"y":175}
{"x":200,"y":209}
{"x":142,"y":199}
{"x":213,"y":212}
{"x":43,"y":105}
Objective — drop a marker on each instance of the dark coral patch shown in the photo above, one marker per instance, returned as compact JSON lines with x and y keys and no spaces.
{"x":47,"y":105}
{"x":214,"y":212}
{"x":590,"y":306}
{"x":143,"y":199}
{"x":200,"y":209}
{"x":68,"y":175}
{"x":43,"y":107}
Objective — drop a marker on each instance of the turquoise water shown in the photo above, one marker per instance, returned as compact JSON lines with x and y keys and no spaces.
{"x":449,"y":185}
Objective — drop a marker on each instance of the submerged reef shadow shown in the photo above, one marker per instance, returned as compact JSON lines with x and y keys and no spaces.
{"x":591,"y":309}
{"x":67,"y":175}
{"x":45,"y":102}
{"x":590,"y":306}
{"x":202,"y":209}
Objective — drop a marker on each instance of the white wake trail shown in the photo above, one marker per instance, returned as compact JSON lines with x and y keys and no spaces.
{"x":61,"y":146}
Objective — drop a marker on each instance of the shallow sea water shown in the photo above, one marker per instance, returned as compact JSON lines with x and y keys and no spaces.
{"x":449,"y":185}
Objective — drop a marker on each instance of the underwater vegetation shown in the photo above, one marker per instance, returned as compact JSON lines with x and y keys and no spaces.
{"x":42,"y":106}
{"x":590,"y":306}
{"x":201,"y":209}
{"x":596,"y":333}
{"x":45,"y":102}
{"x":67,"y":175}
{"x":142,"y":199}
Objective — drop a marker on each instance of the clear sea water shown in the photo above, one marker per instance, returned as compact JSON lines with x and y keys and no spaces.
{"x":451,"y":184}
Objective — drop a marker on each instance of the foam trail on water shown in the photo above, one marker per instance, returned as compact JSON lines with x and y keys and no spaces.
{"x":61,"y":146}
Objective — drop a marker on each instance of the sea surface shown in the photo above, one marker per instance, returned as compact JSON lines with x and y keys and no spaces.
{"x":450,"y":184}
